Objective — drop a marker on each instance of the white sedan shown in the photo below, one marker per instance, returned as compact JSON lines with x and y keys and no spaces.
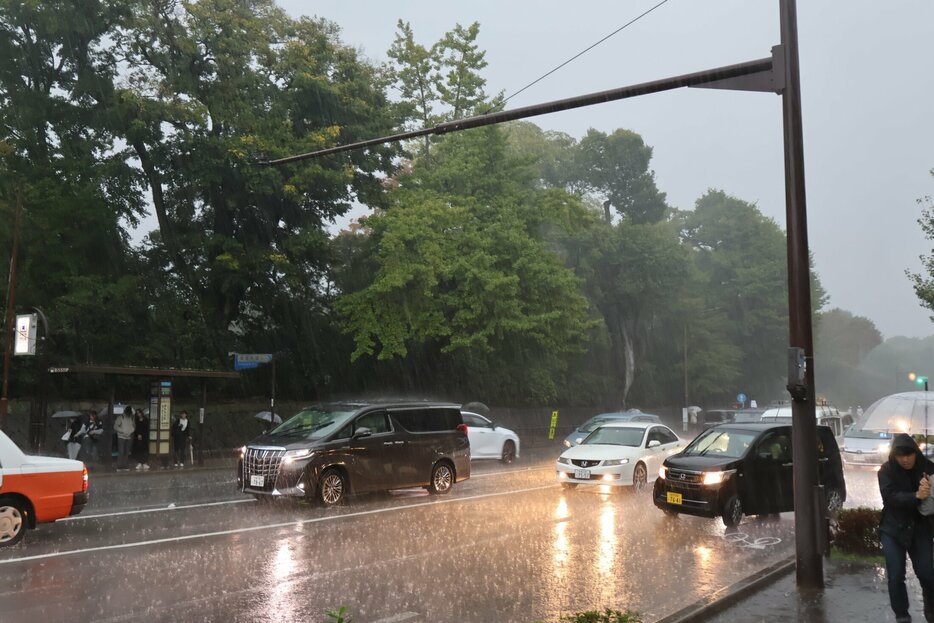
{"x":618,"y":454}
{"x":489,"y":441}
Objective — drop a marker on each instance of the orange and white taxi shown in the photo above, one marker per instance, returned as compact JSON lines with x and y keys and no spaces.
{"x":36,"y":489}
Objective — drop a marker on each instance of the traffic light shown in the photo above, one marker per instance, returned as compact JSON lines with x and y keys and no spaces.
{"x":912,"y":376}
{"x":917,"y":378}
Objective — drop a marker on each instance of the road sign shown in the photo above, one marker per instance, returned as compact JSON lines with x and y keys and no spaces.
{"x":741,"y":398}
{"x":246,"y":361}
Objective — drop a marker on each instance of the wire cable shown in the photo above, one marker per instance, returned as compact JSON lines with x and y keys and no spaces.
{"x":582,"y":52}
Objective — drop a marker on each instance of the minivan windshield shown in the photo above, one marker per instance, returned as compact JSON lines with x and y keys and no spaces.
{"x":719,"y":442}
{"x":616,"y":436}
{"x":314,"y":422}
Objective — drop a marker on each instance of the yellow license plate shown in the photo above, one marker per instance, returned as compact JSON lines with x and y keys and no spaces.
{"x":673,"y":498}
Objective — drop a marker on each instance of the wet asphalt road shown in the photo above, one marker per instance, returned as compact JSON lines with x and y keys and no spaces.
{"x":506,"y":545}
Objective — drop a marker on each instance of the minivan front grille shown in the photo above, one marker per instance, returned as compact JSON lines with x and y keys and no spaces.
{"x":262,"y":462}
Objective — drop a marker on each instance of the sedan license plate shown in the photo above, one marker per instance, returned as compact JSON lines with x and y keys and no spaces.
{"x":256,"y":481}
{"x":582,"y":474}
{"x":674,"y":498}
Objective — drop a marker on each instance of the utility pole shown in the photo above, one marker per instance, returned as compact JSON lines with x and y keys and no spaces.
{"x":10,"y":302}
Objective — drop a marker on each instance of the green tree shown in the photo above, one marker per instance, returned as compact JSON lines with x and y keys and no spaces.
{"x":215,"y":86}
{"x":845,"y":338}
{"x":923,"y":282}
{"x":466,"y":290}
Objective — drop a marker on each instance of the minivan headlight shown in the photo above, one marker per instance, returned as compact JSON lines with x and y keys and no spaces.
{"x":716,"y":478}
{"x":663,"y":472}
{"x":294,"y":455}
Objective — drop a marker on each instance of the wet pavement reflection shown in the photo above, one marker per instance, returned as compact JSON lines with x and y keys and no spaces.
{"x":507,"y":545}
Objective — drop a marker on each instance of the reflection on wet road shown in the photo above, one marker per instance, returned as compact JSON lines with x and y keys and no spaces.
{"x":507,"y":545}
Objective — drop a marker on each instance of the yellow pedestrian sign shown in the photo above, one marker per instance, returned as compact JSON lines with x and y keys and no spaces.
{"x":554,"y":423}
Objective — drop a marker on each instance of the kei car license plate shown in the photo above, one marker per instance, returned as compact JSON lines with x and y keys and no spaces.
{"x":256,"y":481}
{"x":582,"y":474}
{"x":674,"y":498}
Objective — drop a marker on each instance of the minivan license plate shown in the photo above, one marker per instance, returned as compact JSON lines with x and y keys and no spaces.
{"x":582,"y":474}
{"x":257,"y":481}
{"x":674,"y":498}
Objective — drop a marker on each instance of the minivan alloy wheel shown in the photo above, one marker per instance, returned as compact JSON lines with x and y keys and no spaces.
{"x":442,"y":478}
{"x":332,"y":487}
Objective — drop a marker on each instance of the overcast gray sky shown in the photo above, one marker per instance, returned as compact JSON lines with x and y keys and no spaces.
{"x":867,"y":93}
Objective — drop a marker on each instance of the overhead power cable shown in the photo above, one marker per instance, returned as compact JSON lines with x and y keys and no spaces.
{"x":584,"y":51}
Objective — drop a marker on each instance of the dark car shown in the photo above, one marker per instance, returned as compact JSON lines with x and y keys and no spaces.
{"x":743,"y":469}
{"x":715,"y":417}
{"x":326,"y":452}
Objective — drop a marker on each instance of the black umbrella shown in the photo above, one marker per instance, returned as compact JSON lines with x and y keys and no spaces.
{"x":476,"y":407}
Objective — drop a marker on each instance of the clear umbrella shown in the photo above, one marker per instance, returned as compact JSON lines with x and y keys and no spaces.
{"x":907,"y":412}
{"x":266,"y":416}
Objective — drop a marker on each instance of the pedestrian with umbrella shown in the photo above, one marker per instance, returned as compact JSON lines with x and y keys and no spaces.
{"x":270,"y":418}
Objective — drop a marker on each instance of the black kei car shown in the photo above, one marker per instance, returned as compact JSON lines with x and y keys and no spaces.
{"x":328,"y":451}
{"x":733,"y":470}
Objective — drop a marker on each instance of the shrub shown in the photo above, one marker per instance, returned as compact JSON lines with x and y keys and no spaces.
{"x":856,"y":531}
{"x":607,"y":616}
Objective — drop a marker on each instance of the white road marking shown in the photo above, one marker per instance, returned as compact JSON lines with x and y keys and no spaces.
{"x":158,"y":509}
{"x":286,"y":524}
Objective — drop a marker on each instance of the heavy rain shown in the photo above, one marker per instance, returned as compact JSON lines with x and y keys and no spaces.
{"x":401,"y":312}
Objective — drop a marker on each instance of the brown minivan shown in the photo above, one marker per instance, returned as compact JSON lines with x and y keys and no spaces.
{"x":327,"y":451}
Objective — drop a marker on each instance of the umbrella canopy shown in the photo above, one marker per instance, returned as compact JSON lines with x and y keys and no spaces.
{"x":476,"y":407}
{"x":266,"y":416}
{"x":907,"y":412}
{"x":118,"y":409}
{"x":60,"y":415}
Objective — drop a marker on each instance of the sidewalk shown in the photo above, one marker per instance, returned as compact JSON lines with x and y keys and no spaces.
{"x":852,"y":592}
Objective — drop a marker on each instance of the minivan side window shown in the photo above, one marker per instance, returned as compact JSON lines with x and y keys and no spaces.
{"x":775,"y":446}
{"x":428,"y":420}
{"x":376,"y":422}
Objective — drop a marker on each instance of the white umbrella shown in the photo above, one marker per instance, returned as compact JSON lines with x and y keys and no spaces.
{"x":907,"y":412}
{"x":266,"y":415}
{"x":60,"y":415}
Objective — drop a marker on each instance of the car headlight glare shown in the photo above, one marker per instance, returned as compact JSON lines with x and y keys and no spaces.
{"x":564,"y":461}
{"x":715,"y":478}
{"x":884,"y":447}
{"x":663,"y":472}
{"x":567,"y":444}
{"x":294,"y":455}
{"x":612,"y":462}
{"x":578,"y":440}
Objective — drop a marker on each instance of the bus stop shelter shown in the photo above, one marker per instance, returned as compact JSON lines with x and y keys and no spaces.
{"x":160,"y":402}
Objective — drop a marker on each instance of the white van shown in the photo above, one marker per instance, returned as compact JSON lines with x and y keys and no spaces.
{"x":826,"y":416}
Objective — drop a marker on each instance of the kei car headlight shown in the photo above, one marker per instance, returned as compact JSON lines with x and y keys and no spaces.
{"x":715,"y":478}
{"x":294,"y":455}
{"x":612,"y":462}
{"x":564,"y":461}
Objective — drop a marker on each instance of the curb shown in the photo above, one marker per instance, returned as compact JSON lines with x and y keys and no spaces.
{"x":97,"y":474}
{"x":725,"y":597}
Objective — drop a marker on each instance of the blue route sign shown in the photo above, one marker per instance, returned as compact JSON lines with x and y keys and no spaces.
{"x":246,"y":361}
{"x":741,"y":398}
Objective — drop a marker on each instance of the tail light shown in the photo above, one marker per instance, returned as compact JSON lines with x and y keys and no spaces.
{"x":462,"y":428}
{"x":84,"y":484}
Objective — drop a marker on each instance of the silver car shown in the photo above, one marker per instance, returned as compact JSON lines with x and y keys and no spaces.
{"x":632,"y":415}
{"x":865,"y":447}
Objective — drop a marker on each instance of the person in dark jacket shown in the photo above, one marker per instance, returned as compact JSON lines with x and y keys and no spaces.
{"x":141,"y":441}
{"x":181,"y":432}
{"x":903,"y":482}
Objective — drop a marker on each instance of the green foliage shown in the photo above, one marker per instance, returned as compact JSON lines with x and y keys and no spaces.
{"x":340,"y":615}
{"x":845,"y":338}
{"x":856,"y":531}
{"x":607,"y":616}
{"x":923,"y":282}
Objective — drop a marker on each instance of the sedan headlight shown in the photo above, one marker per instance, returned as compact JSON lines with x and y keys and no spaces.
{"x":294,"y":455}
{"x":564,"y":461}
{"x":612,"y":462}
{"x":715,"y":478}
{"x":578,"y":440}
{"x":663,"y":472}
{"x":567,"y":444}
